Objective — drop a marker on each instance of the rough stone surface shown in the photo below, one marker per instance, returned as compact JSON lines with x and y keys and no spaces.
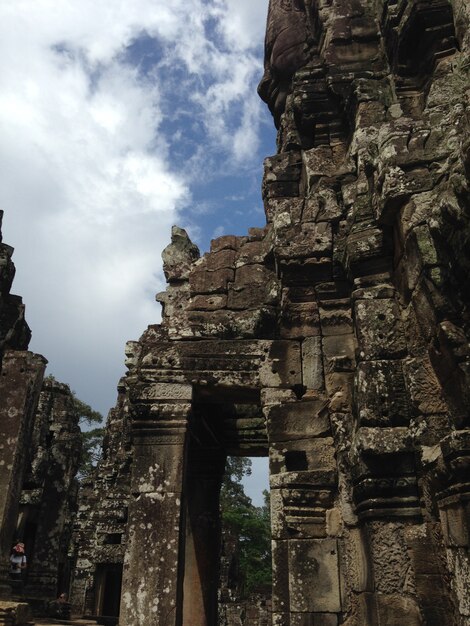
{"x":39,"y":454}
{"x":49,"y":495}
{"x":335,"y":340}
{"x":14,"y":331}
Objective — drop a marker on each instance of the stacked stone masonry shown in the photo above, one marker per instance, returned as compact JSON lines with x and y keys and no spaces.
{"x":334,"y":340}
{"x":40,"y":447}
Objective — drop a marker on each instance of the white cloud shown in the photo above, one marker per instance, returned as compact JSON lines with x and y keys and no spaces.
{"x":87,"y":184}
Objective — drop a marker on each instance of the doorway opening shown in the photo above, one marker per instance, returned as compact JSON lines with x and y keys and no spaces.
{"x":108,"y":580}
{"x":227,"y":541}
{"x":246,"y":561}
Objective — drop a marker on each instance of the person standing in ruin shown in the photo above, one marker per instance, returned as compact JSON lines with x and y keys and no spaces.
{"x":18,"y":564}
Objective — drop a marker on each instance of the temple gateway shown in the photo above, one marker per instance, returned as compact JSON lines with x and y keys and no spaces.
{"x":335,"y":341}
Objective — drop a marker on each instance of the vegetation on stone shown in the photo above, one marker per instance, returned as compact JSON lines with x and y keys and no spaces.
{"x":92,"y":438}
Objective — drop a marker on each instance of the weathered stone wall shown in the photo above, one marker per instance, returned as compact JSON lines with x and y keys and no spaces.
{"x":335,"y":340}
{"x":39,"y":453}
{"x":49,"y":494}
{"x":101,"y":529}
{"x":21,"y":375}
{"x":14,"y":331}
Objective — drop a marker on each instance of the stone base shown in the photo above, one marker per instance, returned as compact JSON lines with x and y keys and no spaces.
{"x":15,"y":614}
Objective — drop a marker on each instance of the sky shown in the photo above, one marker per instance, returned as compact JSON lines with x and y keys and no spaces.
{"x":117,"y":120}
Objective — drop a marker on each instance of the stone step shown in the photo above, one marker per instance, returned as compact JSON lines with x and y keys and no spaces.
{"x":51,"y":621}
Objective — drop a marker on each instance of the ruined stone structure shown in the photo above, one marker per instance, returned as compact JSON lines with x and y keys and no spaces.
{"x":21,"y":375}
{"x":49,"y":494}
{"x":102,"y":519}
{"x":40,"y":447}
{"x":14,"y":331}
{"x":334,"y":340}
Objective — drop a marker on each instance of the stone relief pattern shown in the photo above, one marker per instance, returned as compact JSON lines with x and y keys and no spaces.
{"x":344,"y":321}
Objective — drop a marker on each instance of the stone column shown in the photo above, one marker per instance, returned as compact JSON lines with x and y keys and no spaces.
{"x":454,"y":504}
{"x":202,"y":541}
{"x":152,"y":569}
{"x":20,"y":385}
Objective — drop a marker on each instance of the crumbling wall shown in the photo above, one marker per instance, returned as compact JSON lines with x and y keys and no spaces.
{"x":335,"y":339}
{"x":21,"y":375}
{"x":49,"y":494}
{"x":101,"y":528}
{"x":14,"y":331}
{"x":40,"y":447}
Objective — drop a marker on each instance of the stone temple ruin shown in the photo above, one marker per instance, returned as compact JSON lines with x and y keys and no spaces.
{"x":334,"y":341}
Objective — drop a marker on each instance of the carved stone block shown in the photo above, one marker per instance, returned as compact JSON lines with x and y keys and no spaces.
{"x":253,"y":286}
{"x":381,"y":396}
{"x":312,"y":363}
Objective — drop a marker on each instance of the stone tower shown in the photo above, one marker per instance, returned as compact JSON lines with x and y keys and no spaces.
{"x":334,"y":340}
{"x":40,"y":448}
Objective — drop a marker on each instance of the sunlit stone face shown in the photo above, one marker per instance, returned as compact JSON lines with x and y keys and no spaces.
{"x":286,"y":51}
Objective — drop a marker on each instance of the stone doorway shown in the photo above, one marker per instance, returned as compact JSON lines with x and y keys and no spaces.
{"x":222,"y":424}
{"x":108,"y":581}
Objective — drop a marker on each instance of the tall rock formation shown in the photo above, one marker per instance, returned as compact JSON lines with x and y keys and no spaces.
{"x":334,"y":340}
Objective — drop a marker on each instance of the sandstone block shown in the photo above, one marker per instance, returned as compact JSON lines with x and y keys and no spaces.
{"x":423,"y":386}
{"x":204,"y":281}
{"x":280,"y":597}
{"x":218,"y":260}
{"x":314,"y":619}
{"x":284,"y":210}
{"x":335,"y":321}
{"x":253,"y":285}
{"x":298,"y":420}
{"x":314,"y":580}
{"x":380,"y":331}
{"x":299,"y":320}
{"x":312,"y":363}
{"x":227,"y":242}
{"x":208,"y":302}
{"x":381,"y":394}
{"x":339,"y":353}
{"x":253,"y":252}
{"x":304,"y":240}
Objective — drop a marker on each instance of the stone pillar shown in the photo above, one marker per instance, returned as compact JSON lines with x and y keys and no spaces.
{"x":202,"y":539}
{"x":306,"y":584}
{"x":454,"y":504}
{"x":20,"y":385}
{"x":152,"y":579}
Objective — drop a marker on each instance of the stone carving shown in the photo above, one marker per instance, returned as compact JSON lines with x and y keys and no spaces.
{"x":334,"y":340}
{"x":14,"y":331}
{"x":286,"y":50}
